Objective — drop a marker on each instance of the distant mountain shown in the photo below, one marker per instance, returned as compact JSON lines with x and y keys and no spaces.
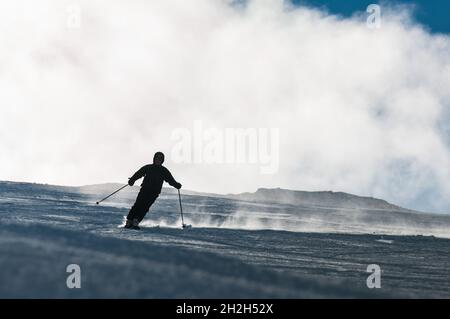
{"x":262,"y":195}
{"x":317,"y":199}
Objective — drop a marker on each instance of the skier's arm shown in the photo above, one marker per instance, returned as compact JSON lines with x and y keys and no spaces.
{"x":172,"y":182}
{"x":140,"y":173}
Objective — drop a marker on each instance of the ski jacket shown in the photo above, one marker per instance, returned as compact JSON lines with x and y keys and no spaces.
{"x":154,"y":176}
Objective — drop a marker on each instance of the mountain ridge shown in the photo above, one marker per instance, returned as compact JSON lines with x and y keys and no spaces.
{"x":329,"y":199}
{"x":318,"y":198}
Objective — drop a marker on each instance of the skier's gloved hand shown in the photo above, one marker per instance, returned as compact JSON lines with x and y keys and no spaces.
{"x":178,"y":186}
{"x":130,"y":182}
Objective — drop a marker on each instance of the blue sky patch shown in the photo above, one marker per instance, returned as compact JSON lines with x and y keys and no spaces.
{"x":434,"y":14}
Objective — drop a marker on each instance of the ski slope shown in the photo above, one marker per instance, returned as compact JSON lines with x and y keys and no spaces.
{"x":237,"y":248}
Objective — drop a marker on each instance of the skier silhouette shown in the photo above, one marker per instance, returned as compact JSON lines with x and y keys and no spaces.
{"x":154,"y":176}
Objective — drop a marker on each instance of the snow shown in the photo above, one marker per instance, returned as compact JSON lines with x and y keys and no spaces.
{"x":236,"y":248}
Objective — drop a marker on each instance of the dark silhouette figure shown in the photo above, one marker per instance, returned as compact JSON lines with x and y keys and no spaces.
{"x":154,"y":176}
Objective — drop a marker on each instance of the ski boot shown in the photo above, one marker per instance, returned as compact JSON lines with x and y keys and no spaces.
{"x":135,"y":224}
{"x":128,"y":224}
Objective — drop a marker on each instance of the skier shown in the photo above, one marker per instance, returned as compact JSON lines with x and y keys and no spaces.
{"x":154,"y":176}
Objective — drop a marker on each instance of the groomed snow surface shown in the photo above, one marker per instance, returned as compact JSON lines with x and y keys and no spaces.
{"x":236,"y":248}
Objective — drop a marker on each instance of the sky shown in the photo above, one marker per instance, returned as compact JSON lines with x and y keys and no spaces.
{"x":88,"y":92}
{"x":432,"y":14}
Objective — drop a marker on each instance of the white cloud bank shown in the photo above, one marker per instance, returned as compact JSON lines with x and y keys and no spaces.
{"x":359,"y":110}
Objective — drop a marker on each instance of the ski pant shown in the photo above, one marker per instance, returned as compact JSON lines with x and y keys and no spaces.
{"x":144,"y":200}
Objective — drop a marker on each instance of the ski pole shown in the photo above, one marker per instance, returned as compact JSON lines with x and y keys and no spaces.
{"x":111,"y":194}
{"x":181,"y":210}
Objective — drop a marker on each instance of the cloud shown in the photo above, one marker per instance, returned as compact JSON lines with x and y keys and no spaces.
{"x":359,"y":110}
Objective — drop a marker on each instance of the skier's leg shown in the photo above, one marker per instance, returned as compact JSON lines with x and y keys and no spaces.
{"x":138,"y":206}
{"x":150,"y":199}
